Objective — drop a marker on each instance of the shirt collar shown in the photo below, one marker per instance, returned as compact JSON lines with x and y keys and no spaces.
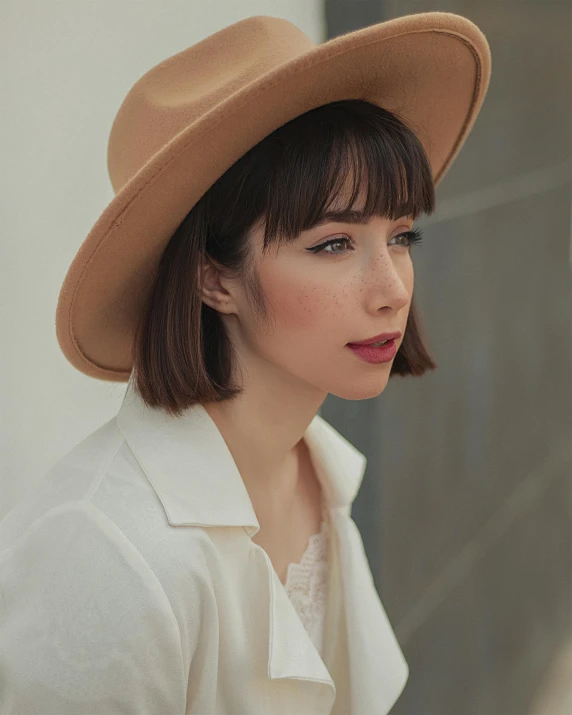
{"x":195,"y":476}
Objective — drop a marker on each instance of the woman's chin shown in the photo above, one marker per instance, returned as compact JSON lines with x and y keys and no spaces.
{"x":364,"y":391}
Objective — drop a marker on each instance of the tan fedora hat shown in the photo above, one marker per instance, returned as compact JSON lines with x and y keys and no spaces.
{"x":188,"y":119}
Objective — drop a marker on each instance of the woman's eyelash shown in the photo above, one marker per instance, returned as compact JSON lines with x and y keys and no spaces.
{"x":414,"y":237}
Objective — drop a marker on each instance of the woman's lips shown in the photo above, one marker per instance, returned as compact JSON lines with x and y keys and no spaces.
{"x":368,"y":353}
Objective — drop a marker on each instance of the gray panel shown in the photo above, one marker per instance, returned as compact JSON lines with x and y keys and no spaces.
{"x":465,"y":509}
{"x":495,"y":293}
{"x":525,"y":123}
{"x":348,"y":15}
{"x":483,"y":649}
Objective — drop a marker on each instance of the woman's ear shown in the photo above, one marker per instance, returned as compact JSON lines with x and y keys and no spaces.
{"x":215,"y":289}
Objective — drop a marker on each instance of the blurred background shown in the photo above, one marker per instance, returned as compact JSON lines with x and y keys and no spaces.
{"x":465,"y":508}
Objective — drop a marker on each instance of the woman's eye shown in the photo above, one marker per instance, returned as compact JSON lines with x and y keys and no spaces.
{"x":412,"y":237}
{"x":333,"y":241}
{"x":406,"y":240}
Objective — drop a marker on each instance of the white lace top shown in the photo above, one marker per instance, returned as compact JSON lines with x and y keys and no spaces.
{"x":307,"y":581}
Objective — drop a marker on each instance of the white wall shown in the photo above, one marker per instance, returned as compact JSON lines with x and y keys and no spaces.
{"x":65,"y":70}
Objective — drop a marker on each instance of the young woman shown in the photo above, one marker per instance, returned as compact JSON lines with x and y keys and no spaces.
{"x":196,"y":554}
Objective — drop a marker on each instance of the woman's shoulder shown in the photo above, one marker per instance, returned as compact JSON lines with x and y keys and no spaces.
{"x":89,"y":557}
{"x":80,"y":602}
{"x":98,"y":487}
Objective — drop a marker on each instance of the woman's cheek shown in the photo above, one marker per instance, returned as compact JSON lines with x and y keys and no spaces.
{"x":305,"y":300}
{"x":306,"y":307}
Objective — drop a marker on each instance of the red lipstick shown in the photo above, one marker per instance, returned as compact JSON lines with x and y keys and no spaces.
{"x":376,"y":354}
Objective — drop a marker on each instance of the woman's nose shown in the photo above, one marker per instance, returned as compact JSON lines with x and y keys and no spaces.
{"x":391,"y":282}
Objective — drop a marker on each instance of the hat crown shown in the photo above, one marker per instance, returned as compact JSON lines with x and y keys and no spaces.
{"x":182,"y":89}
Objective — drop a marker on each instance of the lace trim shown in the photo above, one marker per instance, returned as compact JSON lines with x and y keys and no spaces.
{"x":306,"y":581}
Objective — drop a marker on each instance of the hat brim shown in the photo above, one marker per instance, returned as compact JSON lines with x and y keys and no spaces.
{"x":431,"y":69}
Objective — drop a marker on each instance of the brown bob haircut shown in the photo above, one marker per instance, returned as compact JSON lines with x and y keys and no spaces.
{"x":182,"y":354}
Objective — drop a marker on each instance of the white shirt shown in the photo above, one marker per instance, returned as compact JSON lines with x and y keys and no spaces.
{"x":129,"y":583}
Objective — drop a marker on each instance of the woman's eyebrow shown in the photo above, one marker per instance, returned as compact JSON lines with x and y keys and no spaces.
{"x":342,"y":216}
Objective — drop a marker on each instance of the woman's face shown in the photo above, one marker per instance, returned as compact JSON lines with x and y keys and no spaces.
{"x":318,"y":302}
